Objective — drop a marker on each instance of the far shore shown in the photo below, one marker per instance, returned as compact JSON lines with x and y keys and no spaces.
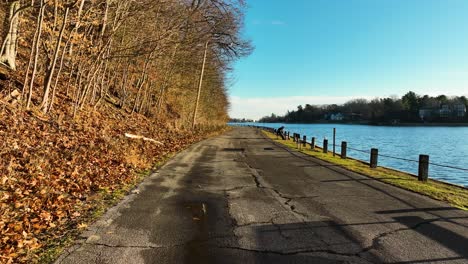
{"x":381,"y":124}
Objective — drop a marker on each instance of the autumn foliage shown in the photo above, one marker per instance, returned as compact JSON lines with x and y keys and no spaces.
{"x":54,"y":172}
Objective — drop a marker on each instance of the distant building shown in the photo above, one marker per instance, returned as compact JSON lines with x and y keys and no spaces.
{"x":337,"y":117}
{"x":445,"y":111}
{"x":459,"y":110}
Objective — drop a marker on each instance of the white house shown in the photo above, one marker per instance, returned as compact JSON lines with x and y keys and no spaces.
{"x":445,"y":111}
{"x":337,"y":117}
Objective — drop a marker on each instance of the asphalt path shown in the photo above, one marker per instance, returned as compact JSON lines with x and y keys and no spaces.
{"x":240,"y":198}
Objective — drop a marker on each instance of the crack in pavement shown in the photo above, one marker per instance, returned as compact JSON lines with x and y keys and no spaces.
{"x":295,"y":252}
{"x":289,"y":199}
{"x":237,"y":188}
{"x":136,"y":246}
{"x":286,"y":201}
{"x":231,"y":189}
{"x":376,"y":240}
{"x":256,"y":177}
{"x":257,"y":182}
{"x":253,"y":223}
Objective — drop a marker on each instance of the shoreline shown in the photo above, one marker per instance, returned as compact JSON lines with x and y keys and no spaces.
{"x":373,"y":124}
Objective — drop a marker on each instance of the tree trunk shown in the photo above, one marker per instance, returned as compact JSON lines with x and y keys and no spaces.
{"x":8,"y":52}
{"x":200,"y":86}
{"x":31,"y":57}
{"x":50,"y":72}
{"x":36,"y":52}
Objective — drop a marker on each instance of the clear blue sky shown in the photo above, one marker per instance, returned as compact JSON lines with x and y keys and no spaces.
{"x":328,"y":51}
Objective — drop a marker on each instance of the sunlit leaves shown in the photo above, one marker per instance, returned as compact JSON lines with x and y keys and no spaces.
{"x":51,"y":179}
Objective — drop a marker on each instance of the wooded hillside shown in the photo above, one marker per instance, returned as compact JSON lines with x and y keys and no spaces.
{"x":144,"y":56}
{"x":82,"y":83}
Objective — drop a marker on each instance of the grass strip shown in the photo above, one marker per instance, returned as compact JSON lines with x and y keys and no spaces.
{"x":452,"y":194}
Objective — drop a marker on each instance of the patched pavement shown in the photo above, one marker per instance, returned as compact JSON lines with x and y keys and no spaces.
{"x":239,"y":198}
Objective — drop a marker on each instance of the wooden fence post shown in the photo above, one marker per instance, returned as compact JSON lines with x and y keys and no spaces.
{"x":334,"y":141}
{"x":423,"y":172}
{"x":325,"y":146}
{"x":374,"y":158}
{"x":304,"y":141}
{"x":312,"y":144}
{"x":344,"y":146}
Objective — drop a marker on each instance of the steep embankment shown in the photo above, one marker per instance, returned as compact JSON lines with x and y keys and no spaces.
{"x":56,"y":172}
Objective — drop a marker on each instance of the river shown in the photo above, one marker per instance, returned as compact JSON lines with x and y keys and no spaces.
{"x":444,"y":145}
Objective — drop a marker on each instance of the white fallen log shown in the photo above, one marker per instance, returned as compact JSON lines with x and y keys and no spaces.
{"x":144,"y":138}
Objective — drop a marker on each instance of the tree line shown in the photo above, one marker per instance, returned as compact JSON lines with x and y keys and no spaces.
{"x":409,"y":108}
{"x":166,"y":59}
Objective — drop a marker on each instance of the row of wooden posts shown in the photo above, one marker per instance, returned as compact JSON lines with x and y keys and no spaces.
{"x":423,"y":171}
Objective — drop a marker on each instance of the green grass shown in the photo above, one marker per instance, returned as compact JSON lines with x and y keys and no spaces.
{"x":454,"y":195}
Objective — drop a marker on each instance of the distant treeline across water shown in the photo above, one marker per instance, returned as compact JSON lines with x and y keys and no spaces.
{"x":411,"y":108}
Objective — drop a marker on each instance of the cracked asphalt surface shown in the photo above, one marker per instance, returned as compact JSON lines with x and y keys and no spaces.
{"x":239,"y":198}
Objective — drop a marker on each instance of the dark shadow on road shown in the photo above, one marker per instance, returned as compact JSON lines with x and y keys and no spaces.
{"x":247,"y":138}
{"x":435,"y":260}
{"x":360,"y":180}
{"x":319,"y":165}
{"x":234,"y":149}
{"x":302,"y":242}
{"x":443,"y":236}
{"x":412,"y":210}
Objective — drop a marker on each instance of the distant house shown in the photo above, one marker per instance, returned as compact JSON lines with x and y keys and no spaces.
{"x":445,"y":111}
{"x":459,"y":110}
{"x":337,"y":117}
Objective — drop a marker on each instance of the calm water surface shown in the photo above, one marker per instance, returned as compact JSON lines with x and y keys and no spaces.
{"x":445,"y":145}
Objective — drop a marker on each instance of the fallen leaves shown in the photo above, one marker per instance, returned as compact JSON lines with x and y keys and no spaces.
{"x":52,"y":177}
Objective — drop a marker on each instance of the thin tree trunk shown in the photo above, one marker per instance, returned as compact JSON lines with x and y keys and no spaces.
{"x":50,"y":72}
{"x":140,"y":86}
{"x":200,"y":86}
{"x":124,"y":88}
{"x":36,"y":52}
{"x":143,"y":79}
{"x":31,"y":56}
{"x":104,"y":19}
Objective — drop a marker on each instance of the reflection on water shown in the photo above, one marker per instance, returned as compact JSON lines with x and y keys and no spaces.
{"x":444,"y":145}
